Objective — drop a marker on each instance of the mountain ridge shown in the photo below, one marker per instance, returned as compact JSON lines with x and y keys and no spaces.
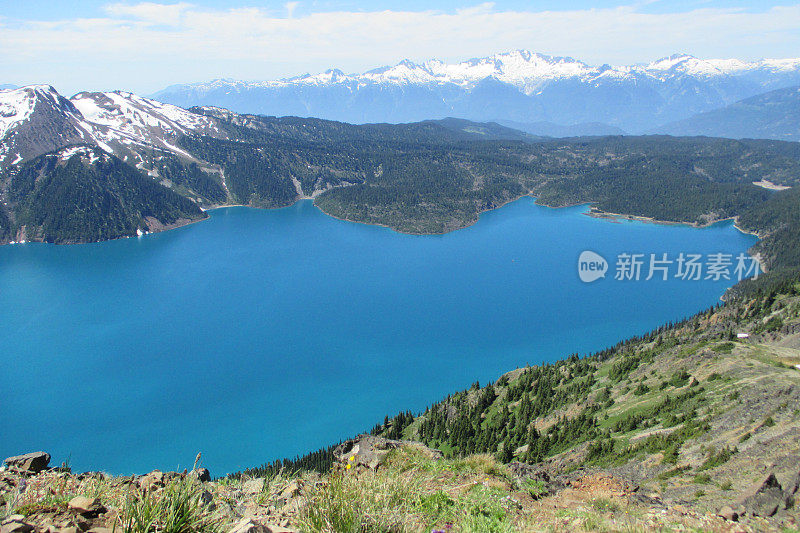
{"x":771,"y":115}
{"x":538,"y":87}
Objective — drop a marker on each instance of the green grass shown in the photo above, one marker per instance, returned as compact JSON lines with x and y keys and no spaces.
{"x":536,"y":488}
{"x":175,"y":509}
{"x":472,"y":493}
{"x":725,"y":347}
{"x":605,"y":505}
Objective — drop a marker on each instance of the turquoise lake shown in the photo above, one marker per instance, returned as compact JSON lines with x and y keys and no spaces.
{"x":259,"y":334}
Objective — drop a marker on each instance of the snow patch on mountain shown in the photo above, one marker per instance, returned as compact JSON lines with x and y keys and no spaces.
{"x":17,"y":105}
{"x":87,"y":154}
{"x":36,"y":119}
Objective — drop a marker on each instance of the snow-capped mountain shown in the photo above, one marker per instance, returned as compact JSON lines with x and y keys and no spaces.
{"x":35,"y":120}
{"x":99,"y":166}
{"x":519,"y":86}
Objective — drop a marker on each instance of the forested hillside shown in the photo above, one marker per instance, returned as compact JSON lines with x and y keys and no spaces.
{"x":434,"y":177}
{"x":84,"y":194}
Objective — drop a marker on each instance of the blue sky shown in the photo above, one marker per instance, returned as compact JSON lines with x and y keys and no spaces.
{"x":53,"y":10}
{"x":145,"y":46}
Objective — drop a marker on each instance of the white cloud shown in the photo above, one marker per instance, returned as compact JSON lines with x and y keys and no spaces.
{"x":148,"y":45}
{"x":149,"y":12}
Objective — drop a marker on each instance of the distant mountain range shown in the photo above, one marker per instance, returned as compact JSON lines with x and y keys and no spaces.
{"x":520,"y":86}
{"x":772,"y":115}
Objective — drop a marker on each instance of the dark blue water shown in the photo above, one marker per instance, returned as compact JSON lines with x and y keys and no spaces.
{"x":260,"y":334}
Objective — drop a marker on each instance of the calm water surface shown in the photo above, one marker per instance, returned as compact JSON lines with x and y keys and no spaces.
{"x":261,"y":334}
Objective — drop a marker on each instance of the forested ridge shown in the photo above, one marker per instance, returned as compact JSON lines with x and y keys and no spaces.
{"x":69,"y":200}
{"x":437,"y":176}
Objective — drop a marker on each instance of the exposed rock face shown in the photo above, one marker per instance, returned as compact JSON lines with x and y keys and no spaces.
{"x":29,"y":462}
{"x":153,"y":480}
{"x":370,"y":451}
{"x":15,"y":524}
{"x":524,"y":472}
{"x":767,"y":498}
{"x":201,"y":474}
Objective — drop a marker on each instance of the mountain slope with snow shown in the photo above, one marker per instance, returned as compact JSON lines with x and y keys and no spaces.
{"x":36,"y":119}
{"x":98,"y":166}
{"x":518,"y":86}
{"x":105,"y":165}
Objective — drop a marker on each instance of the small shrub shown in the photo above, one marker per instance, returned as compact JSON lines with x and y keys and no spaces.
{"x":673,"y":472}
{"x":605,"y":505}
{"x":535,"y":487}
{"x":679,"y":378}
{"x":773,"y":324}
{"x":716,"y":459}
{"x":725,"y":347}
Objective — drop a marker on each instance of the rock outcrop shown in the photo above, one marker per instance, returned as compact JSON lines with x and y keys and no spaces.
{"x":30,"y":462}
{"x":370,"y":451}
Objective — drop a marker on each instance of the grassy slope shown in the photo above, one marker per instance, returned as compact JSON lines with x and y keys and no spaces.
{"x":742,"y":395}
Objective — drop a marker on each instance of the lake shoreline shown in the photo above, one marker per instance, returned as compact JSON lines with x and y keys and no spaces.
{"x":398,"y":322}
{"x":594,"y":212}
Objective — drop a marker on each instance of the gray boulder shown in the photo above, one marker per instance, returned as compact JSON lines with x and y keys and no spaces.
{"x":200,"y":474}
{"x":29,"y":462}
{"x":152,"y":481}
{"x":766,"y":499}
{"x":15,"y":524}
{"x":371,"y":451}
{"x":728,"y":514}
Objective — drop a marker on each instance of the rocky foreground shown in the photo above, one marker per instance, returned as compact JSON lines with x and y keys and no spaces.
{"x":376,"y":484}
